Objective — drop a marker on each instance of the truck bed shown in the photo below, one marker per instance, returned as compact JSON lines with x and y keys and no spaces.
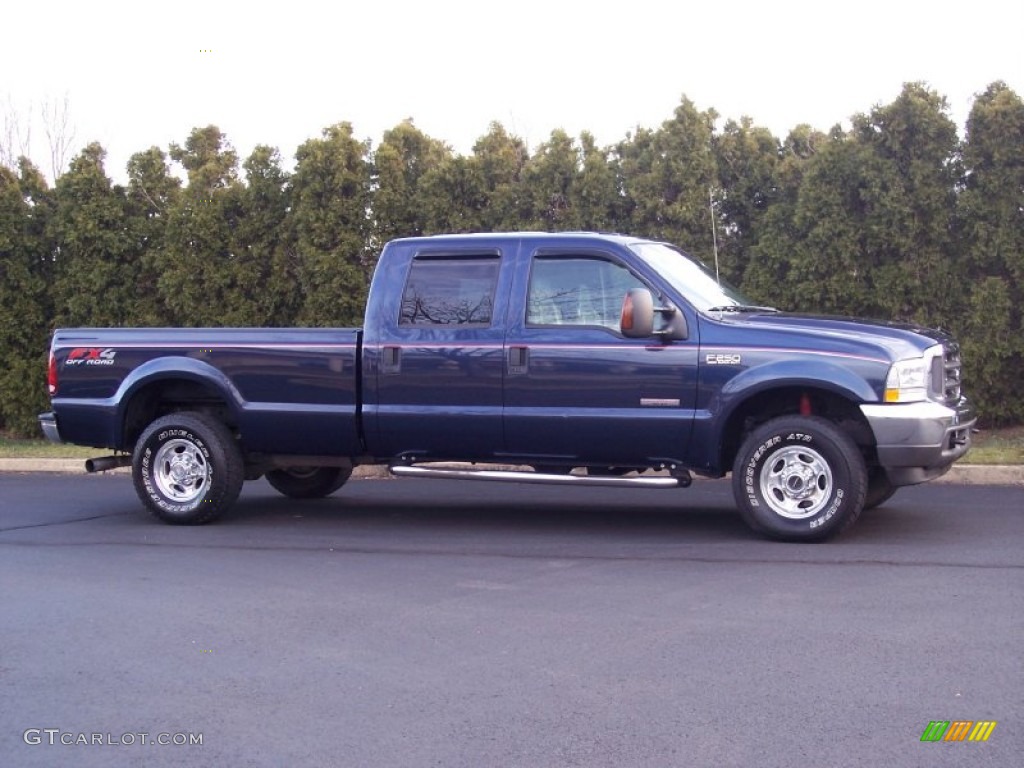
{"x":288,"y":391}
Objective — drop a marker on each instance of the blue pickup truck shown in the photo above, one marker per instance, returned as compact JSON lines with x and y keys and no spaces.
{"x":577,"y":358}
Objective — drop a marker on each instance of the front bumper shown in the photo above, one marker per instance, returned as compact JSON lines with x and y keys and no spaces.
{"x":48,"y":422}
{"x":920,"y":441}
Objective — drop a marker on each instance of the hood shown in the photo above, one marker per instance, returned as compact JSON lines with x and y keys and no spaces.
{"x":898,"y":340}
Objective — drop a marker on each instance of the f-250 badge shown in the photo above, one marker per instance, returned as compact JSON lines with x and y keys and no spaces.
{"x":90,"y":356}
{"x":717,"y":358}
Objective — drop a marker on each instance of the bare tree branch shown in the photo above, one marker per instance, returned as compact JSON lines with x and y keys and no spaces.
{"x":16,"y":139}
{"x":59,"y":134}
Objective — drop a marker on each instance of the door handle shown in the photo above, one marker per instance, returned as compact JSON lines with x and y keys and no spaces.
{"x":391,"y":360}
{"x":518,"y":360}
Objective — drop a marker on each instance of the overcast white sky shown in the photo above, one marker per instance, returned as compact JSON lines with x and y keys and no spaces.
{"x":281,"y":71}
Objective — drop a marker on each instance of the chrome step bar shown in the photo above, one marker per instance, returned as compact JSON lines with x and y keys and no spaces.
{"x":516,"y":476}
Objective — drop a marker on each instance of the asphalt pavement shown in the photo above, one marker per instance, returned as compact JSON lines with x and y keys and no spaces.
{"x":439,"y":623}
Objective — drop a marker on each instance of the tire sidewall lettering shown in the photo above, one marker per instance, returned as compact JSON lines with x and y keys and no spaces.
{"x":762,"y":455}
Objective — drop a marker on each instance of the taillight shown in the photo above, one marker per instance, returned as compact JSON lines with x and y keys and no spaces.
{"x":51,"y":375}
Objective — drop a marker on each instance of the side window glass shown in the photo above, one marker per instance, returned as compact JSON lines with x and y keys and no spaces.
{"x":457,"y":291}
{"x":578,"y":291}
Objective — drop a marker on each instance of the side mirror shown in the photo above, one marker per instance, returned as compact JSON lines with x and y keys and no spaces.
{"x":676,"y":328}
{"x":637,"y":321}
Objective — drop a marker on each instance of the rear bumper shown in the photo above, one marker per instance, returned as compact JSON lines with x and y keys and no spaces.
{"x":48,"y":422}
{"x":920,"y":441}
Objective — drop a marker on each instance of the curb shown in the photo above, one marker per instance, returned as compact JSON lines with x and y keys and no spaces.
{"x":959,"y":474}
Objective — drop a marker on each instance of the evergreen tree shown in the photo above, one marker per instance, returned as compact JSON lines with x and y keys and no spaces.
{"x":908,"y":205}
{"x":869,"y":233}
{"x":766,"y":277}
{"x":197,"y":283}
{"x":153,"y":193}
{"x":98,"y":263}
{"x":992,"y":217}
{"x":453,"y":197}
{"x":330,"y":196}
{"x":747,"y":158}
{"x":265,"y":284}
{"x":595,"y":195}
{"x":26,"y":270}
{"x":667,"y":175}
{"x":498,"y":161}
{"x":827,"y":269}
{"x":400,"y":163}
{"x":550,"y":178}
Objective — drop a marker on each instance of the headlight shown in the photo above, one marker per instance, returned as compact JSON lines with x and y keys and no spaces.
{"x":907,"y":381}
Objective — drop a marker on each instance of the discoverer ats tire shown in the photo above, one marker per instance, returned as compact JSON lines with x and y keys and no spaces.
{"x":799,"y":478}
{"x":187,"y":468}
{"x":880,"y":489}
{"x":308,"y":482}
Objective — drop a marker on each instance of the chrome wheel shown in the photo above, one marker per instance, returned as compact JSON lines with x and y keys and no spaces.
{"x":796,"y":482}
{"x":181,"y":471}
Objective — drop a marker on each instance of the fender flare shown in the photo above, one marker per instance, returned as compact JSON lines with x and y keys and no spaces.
{"x":176,"y":368}
{"x":782,"y":374}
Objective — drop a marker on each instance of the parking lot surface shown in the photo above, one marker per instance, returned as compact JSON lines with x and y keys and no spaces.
{"x":438,"y":623}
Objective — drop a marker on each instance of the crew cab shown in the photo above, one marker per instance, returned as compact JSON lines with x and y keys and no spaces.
{"x":578,"y":358}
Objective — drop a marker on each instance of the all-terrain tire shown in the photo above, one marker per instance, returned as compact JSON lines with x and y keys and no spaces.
{"x":880,"y":489}
{"x":308,"y":482}
{"x":187,"y":468}
{"x":799,"y":478}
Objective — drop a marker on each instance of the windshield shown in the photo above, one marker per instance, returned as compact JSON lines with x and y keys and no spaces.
{"x":692,"y":278}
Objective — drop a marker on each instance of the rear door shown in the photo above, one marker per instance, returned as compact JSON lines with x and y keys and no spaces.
{"x":439,"y":357}
{"x":576,"y":390}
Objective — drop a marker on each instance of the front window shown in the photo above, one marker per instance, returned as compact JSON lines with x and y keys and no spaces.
{"x":577,"y":290}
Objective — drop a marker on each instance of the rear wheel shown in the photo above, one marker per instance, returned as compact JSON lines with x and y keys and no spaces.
{"x":308,"y":482}
{"x":799,"y":478}
{"x":187,"y":468}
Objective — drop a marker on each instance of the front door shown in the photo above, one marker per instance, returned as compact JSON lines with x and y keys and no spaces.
{"x":576,"y":390}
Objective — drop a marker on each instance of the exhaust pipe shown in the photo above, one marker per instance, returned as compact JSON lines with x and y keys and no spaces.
{"x":103,"y":463}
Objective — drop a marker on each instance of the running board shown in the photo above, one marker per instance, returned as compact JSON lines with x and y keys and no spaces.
{"x":513,"y":476}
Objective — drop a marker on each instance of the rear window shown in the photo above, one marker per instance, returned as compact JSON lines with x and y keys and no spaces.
{"x":456,"y":291}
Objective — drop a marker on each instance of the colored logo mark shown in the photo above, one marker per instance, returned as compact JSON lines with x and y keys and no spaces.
{"x":958,"y":730}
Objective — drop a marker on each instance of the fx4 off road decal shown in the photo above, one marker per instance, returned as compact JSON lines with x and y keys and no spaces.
{"x":90,"y":356}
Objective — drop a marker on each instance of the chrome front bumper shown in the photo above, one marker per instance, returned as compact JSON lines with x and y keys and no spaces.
{"x":48,"y":422}
{"x":920,"y":441}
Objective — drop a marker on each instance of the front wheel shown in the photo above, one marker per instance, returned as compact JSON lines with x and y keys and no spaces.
{"x":880,"y":489}
{"x":308,"y":482}
{"x":799,"y":478}
{"x":187,"y":468}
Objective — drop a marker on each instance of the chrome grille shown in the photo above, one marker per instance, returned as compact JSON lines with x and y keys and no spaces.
{"x":946,"y":373}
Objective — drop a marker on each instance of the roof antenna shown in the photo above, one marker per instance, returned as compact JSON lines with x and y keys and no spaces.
{"x":714,"y":234}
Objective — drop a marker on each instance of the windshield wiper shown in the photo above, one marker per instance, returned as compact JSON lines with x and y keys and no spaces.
{"x":741,"y":308}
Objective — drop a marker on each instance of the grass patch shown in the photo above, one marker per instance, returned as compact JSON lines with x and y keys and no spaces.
{"x":997,"y":446}
{"x":43,"y":449}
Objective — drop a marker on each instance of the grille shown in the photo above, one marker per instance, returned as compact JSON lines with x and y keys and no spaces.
{"x":946,"y":372}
